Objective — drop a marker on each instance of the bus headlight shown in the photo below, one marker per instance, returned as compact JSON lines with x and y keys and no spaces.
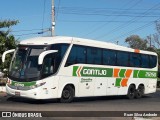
{"x":37,"y":85}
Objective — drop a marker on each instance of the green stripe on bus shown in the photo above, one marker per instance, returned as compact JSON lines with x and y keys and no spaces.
{"x":118,"y":82}
{"x":122,"y":73}
{"x":93,"y":72}
{"x":135,"y":73}
{"x":14,"y":83}
{"x":108,"y":72}
{"x":75,"y":68}
{"x":97,"y":72}
{"x":147,"y":74}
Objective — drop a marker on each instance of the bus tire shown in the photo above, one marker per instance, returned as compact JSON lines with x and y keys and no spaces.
{"x":131,"y":92}
{"x":67,"y":94}
{"x":139,"y":92}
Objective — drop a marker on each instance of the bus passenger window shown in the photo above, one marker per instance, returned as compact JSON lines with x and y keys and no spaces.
{"x":122,"y":58}
{"x":135,"y":60}
{"x":109,"y":57}
{"x":153,"y":61}
{"x":93,"y":55}
{"x":145,"y":61}
{"x":72,"y":56}
{"x":81,"y":55}
{"x":77,"y":55}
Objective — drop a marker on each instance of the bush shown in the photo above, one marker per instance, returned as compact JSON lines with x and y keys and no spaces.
{"x":3,"y":81}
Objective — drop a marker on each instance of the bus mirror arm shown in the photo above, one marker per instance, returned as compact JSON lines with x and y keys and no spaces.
{"x":43,"y":54}
{"x":5,"y":53}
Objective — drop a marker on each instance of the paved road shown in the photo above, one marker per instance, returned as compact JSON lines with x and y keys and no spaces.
{"x":117,"y":103}
{"x":148,"y":103}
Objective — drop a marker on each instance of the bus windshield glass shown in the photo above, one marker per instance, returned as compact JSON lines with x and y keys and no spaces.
{"x":24,"y":65}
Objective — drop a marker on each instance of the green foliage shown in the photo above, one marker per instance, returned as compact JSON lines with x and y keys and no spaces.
{"x":136,"y":42}
{"x":8,"y":23}
{"x":7,"y":41}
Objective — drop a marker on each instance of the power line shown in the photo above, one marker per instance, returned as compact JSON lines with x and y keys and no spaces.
{"x":92,"y":9}
{"x":102,"y":25}
{"x":125,"y":25}
{"x":25,"y":30}
{"x":135,"y":30}
{"x":28,"y":30}
{"x":27,"y":34}
{"x":59,"y":2}
{"x":44,"y":9}
{"x":34,"y":33}
{"x":116,"y":13}
{"x":86,"y":21}
{"x":103,"y":12}
{"x":119,"y":15}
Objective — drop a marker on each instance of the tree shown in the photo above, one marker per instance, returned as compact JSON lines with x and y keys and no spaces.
{"x":155,"y":38}
{"x":136,"y":42}
{"x":7,"y":41}
{"x":8,"y":23}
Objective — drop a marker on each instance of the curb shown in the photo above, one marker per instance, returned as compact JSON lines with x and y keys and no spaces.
{"x":141,"y":118}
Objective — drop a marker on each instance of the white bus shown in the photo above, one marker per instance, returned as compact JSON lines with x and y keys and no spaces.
{"x":68,"y":67}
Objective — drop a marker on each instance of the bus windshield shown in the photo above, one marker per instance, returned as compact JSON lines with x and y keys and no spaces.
{"x":24,"y":65}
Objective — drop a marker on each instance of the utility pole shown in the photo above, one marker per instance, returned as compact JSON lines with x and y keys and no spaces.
{"x":117,"y":42}
{"x":149,"y":39}
{"x":53,"y":19}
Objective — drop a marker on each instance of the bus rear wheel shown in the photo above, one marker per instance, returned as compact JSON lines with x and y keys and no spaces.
{"x":139,"y":92}
{"x":67,"y":94}
{"x":131,"y":92}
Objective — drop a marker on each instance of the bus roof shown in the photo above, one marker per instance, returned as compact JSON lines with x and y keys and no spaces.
{"x":79,"y":41}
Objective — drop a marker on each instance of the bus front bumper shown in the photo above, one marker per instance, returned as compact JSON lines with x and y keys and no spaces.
{"x":33,"y":94}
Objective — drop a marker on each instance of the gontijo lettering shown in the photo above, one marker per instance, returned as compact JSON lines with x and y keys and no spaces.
{"x":94,"y":72}
{"x":112,"y":72}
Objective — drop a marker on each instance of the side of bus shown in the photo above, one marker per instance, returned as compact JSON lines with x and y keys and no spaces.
{"x":95,"y":71}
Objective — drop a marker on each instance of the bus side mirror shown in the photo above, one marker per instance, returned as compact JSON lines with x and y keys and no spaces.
{"x":5,"y":53}
{"x":43,"y":54}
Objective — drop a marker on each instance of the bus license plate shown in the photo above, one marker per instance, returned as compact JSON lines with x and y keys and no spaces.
{"x":17,"y":93}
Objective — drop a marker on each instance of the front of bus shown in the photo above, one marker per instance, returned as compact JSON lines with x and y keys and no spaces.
{"x":25,"y":77}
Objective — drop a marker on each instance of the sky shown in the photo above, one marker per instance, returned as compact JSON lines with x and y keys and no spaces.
{"x":102,"y":20}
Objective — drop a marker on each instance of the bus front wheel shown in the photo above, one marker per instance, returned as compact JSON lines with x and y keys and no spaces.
{"x":131,"y":92}
{"x":67,"y":94}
